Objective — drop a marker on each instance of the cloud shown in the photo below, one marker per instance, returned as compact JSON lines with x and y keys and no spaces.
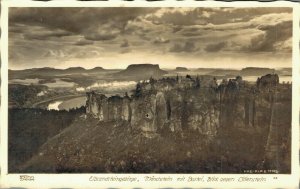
{"x":101,"y":36}
{"x":101,"y":33}
{"x":285,"y":46}
{"x":125,"y":43}
{"x":75,"y":19}
{"x":16,"y":28}
{"x":138,"y":26}
{"x":72,"y":52}
{"x":271,"y":19}
{"x":215,"y":47}
{"x":187,"y":47}
{"x":113,"y":32}
{"x":182,"y":16}
{"x":203,"y":16}
{"x":144,"y":37}
{"x":270,"y":38}
{"x":42,"y":33}
{"x":86,"y":54}
{"x":124,"y":51}
{"x":54,"y":54}
{"x":262,"y":33}
{"x":83,"y":42}
{"x":144,"y":28}
{"x":176,"y":29}
{"x":160,"y":40}
{"x":87,"y":51}
{"x":191,"y":34}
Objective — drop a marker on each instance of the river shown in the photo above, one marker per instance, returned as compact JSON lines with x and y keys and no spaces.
{"x":54,"y":105}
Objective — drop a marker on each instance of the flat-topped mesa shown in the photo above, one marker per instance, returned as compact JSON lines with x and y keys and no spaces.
{"x":250,"y":71}
{"x":142,"y":66}
{"x":181,"y":69}
{"x":142,"y":71}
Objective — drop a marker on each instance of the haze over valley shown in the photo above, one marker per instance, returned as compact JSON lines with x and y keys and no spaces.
{"x":70,"y":85}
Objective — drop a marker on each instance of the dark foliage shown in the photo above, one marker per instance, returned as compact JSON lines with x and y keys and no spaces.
{"x":19,"y":95}
{"x":28,"y":129}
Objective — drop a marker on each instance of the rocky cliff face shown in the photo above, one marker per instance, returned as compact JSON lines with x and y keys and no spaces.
{"x":161,"y":108}
{"x":177,"y":105}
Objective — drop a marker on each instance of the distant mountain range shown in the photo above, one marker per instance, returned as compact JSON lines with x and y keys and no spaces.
{"x":53,"y":71}
{"x":224,"y":72}
{"x":248,"y":71}
{"x":143,"y":71}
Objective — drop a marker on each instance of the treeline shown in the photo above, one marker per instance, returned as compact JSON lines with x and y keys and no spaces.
{"x":20,"y":95}
{"x":28,"y":129}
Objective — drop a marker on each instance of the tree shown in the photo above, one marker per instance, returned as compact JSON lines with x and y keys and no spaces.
{"x":138,"y":89}
{"x":197,"y":82}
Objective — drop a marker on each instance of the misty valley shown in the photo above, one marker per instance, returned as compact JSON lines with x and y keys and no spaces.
{"x":147,"y":119}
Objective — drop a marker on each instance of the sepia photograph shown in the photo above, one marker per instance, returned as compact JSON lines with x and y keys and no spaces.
{"x":204,"y":90}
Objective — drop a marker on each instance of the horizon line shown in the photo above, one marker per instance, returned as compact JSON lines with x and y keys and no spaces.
{"x":192,"y":68}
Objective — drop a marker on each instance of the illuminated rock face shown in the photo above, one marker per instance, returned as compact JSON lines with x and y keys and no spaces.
{"x":168,"y":109}
{"x":179,"y":105}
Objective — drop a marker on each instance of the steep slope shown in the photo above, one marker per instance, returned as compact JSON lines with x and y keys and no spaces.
{"x":30,"y":128}
{"x":92,"y":146}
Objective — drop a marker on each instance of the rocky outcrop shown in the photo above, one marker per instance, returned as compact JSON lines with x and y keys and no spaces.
{"x":108,"y":108}
{"x":180,"y":104}
{"x":158,"y":106}
{"x":174,"y":125}
{"x":268,"y":82}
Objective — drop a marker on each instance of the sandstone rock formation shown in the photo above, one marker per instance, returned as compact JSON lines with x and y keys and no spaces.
{"x":176,"y":125}
{"x":181,"y":104}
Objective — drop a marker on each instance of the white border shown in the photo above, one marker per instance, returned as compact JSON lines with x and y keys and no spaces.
{"x":82,"y":180}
